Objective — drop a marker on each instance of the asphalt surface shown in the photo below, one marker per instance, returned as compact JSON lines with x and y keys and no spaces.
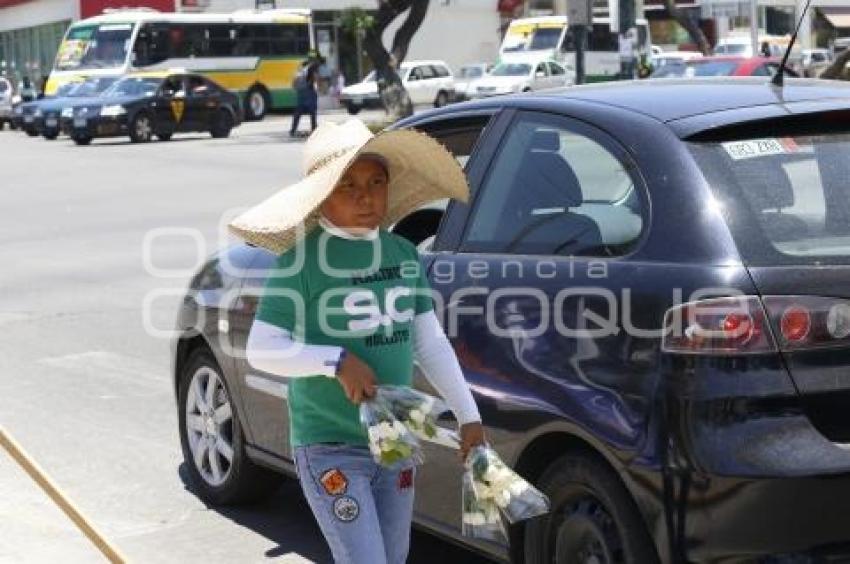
{"x":96,"y":245}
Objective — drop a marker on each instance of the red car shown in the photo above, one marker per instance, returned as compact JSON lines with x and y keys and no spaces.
{"x":722,"y":66}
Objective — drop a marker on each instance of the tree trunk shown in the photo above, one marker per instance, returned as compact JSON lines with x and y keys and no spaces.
{"x":837,"y":69}
{"x":393,"y":94}
{"x":690,"y":26}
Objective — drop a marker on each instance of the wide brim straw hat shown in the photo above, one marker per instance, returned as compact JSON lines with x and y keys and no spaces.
{"x":420,"y":170}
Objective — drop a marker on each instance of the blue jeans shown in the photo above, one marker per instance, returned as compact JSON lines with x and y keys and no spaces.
{"x":363,"y":509}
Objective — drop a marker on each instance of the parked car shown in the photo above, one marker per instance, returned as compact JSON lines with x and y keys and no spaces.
{"x":28,"y":113}
{"x":6,"y":93}
{"x":812,"y":62}
{"x":148,"y":104}
{"x":722,"y":66}
{"x":427,"y":82}
{"x":48,"y":113}
{"x":673,"y":57}
{"x":511,"y":77}
{"x":665,"y":272}
{"x":466,"y":78}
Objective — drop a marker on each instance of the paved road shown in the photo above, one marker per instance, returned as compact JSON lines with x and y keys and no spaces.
{"x":84,"y":387}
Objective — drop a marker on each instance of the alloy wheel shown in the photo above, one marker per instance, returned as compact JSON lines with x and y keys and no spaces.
{"x":209,"y":426}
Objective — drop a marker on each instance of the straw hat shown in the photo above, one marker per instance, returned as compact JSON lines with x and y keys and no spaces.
{"x":420,"y":171}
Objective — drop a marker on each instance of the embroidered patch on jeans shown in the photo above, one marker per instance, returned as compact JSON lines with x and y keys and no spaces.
{"x":346,"y":509}
{"x":405,"y":479}
{"x":334,"y":482}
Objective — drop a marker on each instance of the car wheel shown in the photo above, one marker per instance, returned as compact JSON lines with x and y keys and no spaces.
{"x":593,"y":517}
{"x":32,"y":132}
{"x":256,"y":103}
{"x":527,"y":89}
{"x":212,"y":440}
{"x":50,"y":136}
{"x":353,"y":109}
{"x":2,"y":125}
{"x":82,"y":140}
{"x":442,"y":99}
{"x":222,"y":124}
{"x":163,"y":136}
{"x":141,"y":128}
{"x":12,"y":126}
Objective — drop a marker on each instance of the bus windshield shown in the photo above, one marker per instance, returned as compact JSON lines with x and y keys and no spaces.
{"x":545,"y":38}
{"x":94,"y":46}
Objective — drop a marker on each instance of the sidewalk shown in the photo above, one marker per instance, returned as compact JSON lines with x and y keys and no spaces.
{"x":32,"y":528}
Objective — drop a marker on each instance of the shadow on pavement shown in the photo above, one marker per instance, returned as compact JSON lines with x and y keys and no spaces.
{"x":286,"y":520}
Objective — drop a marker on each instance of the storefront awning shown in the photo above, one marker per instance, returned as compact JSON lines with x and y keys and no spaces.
{"x":838,"y":17}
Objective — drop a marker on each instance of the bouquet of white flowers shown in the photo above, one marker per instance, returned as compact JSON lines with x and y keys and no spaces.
{"x":494,"y":482}
{"x":389,"y":440}
{"x":416,"y":410}
{"x":480,"y":518}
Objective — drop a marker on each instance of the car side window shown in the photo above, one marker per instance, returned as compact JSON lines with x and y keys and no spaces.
{"x":415,"y":74}
{"x":556,"y":187}
{"x":197,"y":86}
{"x":440,"y":71}
{"x":427,"y":72}
{"x":541,"y":68}
{"x":556,"y":69}
{"x":171,"y":86}
{"x":764,"y":70}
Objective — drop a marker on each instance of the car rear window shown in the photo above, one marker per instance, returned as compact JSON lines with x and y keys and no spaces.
{"x":786,"y":199}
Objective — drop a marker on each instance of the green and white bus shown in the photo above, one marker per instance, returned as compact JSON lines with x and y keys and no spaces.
{"x":549,"y":37}
{"x":255,"y":54}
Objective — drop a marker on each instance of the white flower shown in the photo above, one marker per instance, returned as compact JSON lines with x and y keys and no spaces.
{"x":417,"y":416}
{"x":385,"y":430}
{"x":427,"y":405}
{"x":374,"y":434}
{"x":518,"y":487}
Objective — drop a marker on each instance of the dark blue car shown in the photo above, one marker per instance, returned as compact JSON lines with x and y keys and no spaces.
{"x":649,"y":294}
{"x":42,"y":116}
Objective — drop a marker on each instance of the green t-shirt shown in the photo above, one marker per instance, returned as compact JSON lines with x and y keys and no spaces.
{"x":358,"y":294}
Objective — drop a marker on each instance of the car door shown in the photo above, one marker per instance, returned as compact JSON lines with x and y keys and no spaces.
{"x":559,"y":75}
{"x":200,"y":103}
{"x":416,"y":85}
{"x":169,"y":104}
{"x":540,"y":77}
{"x":536,"y":267}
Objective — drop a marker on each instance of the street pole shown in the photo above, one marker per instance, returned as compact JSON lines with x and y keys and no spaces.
{"x":754,"y":26}
{"x":580,"y":37}
{"x":626,"y":22}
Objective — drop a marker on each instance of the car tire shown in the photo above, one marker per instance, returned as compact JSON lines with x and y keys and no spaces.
{"x":442,"y":99}
{"x":353,"y":109}
{"x":256,"y":103}
{"x":593,"y":517}
{"x":141,"y":128}
{"x":82,"y":140}
{"x":12,"y":126}
{"x":50,"y":136}
{"x":31,"y":132}
{"x":163,"y":136}
{"x":527,"y":89}
{"x":215,"y":479}
{"x":222,"y":124}
{"x":2,"y":125}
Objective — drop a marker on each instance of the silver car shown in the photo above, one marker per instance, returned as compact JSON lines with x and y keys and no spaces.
{"x":6,"y":92}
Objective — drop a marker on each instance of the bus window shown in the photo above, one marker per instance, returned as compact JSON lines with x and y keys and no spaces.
{"x":602,"y":39}
{"x":221,"y":39}
{"x":289,"y":39}
{"x":252,"y":40}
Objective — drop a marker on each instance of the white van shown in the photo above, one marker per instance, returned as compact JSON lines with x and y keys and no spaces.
{"x":549,"y":37}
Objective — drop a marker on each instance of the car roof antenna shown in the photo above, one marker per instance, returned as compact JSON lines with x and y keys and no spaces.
{"x":779,"y":77}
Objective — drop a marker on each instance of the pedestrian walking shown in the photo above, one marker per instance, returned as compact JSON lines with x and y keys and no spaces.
{"x":307,"y":98}
{"x":348,"y":308}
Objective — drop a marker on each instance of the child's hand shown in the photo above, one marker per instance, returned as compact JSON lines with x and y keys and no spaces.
{"x":356,"y":378}
{"x":471,"y":435}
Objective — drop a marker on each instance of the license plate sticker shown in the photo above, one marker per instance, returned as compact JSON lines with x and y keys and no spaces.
{"x":754,"y":148}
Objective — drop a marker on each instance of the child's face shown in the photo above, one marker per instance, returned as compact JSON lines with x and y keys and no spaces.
{"x":359,"y":199}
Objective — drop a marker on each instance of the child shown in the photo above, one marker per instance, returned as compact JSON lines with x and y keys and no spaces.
{"x":346,"y":309}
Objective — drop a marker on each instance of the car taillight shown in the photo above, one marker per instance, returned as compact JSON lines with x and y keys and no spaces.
{"x":805,"y":322}
{"x":722,"y":326}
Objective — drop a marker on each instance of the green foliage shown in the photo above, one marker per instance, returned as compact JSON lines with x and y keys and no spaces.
{"x":355,"y":19}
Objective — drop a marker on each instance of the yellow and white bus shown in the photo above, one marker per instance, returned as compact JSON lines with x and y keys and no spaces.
{"x":255,"y":54}
{"x":550,"y":37}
